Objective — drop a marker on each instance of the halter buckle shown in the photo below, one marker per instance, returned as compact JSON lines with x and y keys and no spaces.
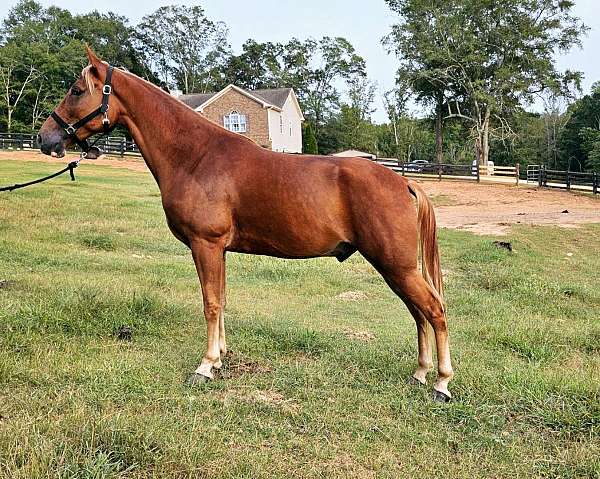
{"x":70,"y":130}
{"x":107,"y":89}
{"x":105,"y":120}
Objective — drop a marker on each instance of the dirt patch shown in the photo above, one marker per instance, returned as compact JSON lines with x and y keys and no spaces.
{"x":486,"y":209}
{"x":257,"y":396}
{"x":352,"y":296}
{"x":234,"y":368}
{"x":364,"y":336}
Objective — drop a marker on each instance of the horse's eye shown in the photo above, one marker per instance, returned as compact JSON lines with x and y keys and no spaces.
{"x":76,"y":91}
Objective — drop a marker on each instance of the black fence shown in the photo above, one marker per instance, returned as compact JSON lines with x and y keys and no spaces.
{"x":112,"y":145}
{"x":564,"y":179}
{"x":432,"y":170}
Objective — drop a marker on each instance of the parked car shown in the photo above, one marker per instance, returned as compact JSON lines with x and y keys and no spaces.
{"x":416,"y":166}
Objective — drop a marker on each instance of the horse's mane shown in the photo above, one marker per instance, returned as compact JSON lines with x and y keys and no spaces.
{"x":87,"y":76}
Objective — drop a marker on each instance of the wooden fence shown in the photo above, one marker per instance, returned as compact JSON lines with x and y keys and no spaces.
{"x":508,"y":172}
{"x":568,"y":180}
{"x":111,"y":145}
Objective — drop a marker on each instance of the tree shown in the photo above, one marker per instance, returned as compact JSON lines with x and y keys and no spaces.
{"x":584,"y":116}
{"x":489,"y":57}
{"x":590,"y":144}
{"x":334,"y":59}
{"x":259,"y":66}
{"x":184,"y":46}
{"x":16,"y":76}
{"x":354,"y":120}
{"x":418,"y":41}
{"x":309,"y":140}
{"x":42,"y":53}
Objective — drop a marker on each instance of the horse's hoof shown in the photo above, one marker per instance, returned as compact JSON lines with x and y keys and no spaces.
{"x":439,"y":396}
{"x":413,"y":381}
{"x":196,"y":379}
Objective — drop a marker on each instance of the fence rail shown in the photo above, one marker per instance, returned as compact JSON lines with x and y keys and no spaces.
{"x":112,"y":145}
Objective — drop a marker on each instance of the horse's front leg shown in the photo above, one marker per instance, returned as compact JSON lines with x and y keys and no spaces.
{"x":209,"y":258}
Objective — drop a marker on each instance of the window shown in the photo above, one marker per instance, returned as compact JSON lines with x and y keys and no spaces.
{"x":281,"y":124}
{"x":235,"y":122}
{"x":290,"y":127}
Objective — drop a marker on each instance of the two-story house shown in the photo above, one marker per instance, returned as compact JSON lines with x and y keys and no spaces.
{"x":272,"y":118}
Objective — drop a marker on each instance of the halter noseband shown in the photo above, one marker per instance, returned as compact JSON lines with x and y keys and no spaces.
{"x":71,"y":129}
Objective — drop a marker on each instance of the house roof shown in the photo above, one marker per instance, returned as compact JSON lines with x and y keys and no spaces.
{"x":196,"y":100}
{"x":273,"y":97}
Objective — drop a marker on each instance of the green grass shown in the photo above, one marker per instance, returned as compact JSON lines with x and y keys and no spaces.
{"x":300,"y":397}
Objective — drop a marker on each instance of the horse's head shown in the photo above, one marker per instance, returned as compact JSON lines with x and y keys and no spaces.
{"x":84,"y":96}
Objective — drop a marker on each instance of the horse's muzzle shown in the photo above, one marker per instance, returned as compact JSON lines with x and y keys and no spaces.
{"x":52,"y":144}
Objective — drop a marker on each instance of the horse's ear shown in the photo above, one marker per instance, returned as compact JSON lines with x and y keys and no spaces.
{"x":94,"y":60}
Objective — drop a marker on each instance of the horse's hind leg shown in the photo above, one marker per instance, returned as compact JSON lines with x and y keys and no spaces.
{"x":420,"y":297}
{"x":424,"y":361}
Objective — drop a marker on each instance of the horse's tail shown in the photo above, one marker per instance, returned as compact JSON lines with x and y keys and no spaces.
{"x":430,"y":254}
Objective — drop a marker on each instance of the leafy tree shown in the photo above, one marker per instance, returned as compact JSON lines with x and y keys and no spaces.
{"x":42,"y":52}
{"x":309,"y":140}
{"x":332,"y":60}
{"x":576,"y":147}
{"x":354,"y":120}
{"x":489,"y":57}
{"x":590,"y":144}
{"x":184,"y":46}
{"x":259,"y":66}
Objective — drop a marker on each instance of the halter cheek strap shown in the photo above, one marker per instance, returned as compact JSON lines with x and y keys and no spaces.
{"x":71,"y":129}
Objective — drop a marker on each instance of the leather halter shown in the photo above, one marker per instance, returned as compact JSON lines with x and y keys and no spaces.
{"x":71,"y":129}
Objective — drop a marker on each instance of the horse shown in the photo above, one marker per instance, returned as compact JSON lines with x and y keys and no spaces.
{"x":222,"y":193}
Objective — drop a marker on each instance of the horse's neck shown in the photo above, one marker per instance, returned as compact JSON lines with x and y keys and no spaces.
{"x":170,"y":136}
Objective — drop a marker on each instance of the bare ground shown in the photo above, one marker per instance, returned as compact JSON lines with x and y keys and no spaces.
{"x":488,"y":209}
{"x":492,"y":209}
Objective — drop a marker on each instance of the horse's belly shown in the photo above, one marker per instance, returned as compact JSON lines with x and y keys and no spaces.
{"x":309,"y":243}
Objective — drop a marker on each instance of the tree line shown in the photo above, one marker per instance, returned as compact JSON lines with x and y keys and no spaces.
{"x":470,"y":71}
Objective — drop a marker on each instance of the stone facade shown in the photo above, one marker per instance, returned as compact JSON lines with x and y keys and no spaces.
{"x":257,"y":117}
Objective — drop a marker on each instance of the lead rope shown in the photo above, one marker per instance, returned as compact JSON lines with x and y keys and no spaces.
{"x":70,"y":168}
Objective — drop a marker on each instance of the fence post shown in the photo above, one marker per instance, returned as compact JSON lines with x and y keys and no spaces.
{"x":22,"y":141}
{"x":545,"y":182}
{"x":478,"y":173}
{"x":595,"y":183}
{"x":568,"y":179}
{"x":440,"y":173}
{"x":122,"y":147}
{"x":403,"y":169}
{"x":517,"y":172}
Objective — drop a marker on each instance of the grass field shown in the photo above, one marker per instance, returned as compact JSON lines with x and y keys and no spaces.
{"x":316,"y":385}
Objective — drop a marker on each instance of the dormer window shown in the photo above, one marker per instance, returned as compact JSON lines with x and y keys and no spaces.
{"x":235,"y":122}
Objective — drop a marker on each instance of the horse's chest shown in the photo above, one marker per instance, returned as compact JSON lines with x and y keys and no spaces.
{"x":191,"y":218}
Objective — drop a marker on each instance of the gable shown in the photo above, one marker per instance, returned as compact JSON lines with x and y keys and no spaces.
{"x":232,"y":89}
{"x":233,"y":100}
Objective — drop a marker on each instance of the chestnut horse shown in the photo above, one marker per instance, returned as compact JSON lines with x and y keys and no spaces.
{"x":221,"y":192}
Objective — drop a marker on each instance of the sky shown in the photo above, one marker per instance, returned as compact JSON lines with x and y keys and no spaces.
{"x":362,"y":22}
